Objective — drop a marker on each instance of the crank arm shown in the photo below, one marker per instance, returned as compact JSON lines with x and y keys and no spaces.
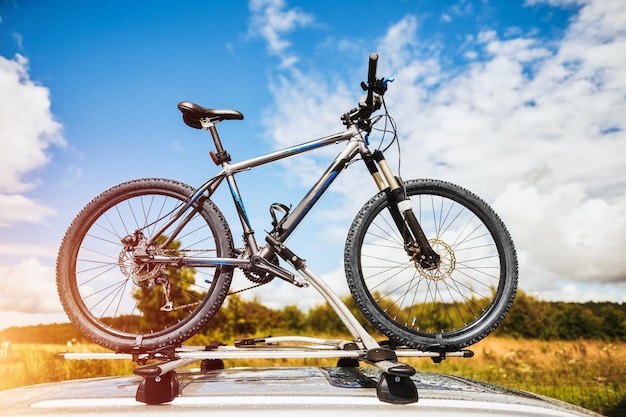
{"x":263,"y":264}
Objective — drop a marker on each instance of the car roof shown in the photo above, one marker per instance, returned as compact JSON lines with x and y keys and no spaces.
{"x":277,"y":391}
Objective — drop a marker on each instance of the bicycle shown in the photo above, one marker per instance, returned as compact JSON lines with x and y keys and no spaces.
{"x":146,"y":264}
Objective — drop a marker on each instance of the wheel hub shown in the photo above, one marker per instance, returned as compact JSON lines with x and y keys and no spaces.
{"x":446,"y":264}
{"x":143,"y":274}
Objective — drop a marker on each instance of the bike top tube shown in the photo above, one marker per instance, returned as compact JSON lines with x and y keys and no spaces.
{"x":228,"y":170}
{"x":288,"y":152}
{"x":356,"y":146}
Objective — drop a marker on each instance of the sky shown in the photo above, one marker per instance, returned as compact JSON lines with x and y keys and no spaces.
{"x":521,"y":102}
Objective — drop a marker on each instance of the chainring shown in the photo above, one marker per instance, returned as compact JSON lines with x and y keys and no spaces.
{"x":261,"y":277}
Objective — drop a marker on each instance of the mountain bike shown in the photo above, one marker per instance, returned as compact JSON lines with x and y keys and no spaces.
{"x":149,"y":262}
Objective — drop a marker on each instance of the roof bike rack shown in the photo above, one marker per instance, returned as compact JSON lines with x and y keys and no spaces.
{"x":160,"y":383}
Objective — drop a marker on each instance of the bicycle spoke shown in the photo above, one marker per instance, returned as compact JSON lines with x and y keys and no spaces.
{"x":125,"y":295}
{"x":442,"y":300}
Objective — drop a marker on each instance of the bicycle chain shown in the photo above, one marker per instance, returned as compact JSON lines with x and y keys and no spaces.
{"x":246,"y":289}
{"x":183,"y":306}
{"x":229,"y":294}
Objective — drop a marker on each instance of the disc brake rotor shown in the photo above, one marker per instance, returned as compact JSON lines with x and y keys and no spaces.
{"x":447,"y":263}
{"x":142,"y":274}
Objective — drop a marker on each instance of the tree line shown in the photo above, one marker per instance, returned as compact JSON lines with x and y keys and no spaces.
{"x":529,"y":318}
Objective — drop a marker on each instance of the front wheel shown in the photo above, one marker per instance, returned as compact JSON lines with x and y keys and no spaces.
{"x":123,"y":303}
{"x":447,"y":308}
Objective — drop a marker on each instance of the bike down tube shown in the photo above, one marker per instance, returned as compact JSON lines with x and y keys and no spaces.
{"x":229,"y":169}
{"x":325,"y":181}
{"x":293,"y":219}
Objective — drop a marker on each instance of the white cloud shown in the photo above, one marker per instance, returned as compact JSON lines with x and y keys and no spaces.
{"x":529,"y":110}
{"x":557,"y":3}
{"x":535,"y":127}
{"x":272,"y":20}
{"x":27,"y":130}
{"x":28,"y":287}
{"x":315,"y":99}
{"x":462,"y":8}
{"x":14,"y":250}
{"x":564,"y":233}
{"x":19,"y":40}
{"x":577,"y":292}
{"x":19,"y":209}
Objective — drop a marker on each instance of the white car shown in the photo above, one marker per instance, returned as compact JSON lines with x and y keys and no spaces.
{"x":278,"y":391}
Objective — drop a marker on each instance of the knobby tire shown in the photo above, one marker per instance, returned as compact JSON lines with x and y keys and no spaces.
{"x":119,"y":308}
{"x":452,"y":306}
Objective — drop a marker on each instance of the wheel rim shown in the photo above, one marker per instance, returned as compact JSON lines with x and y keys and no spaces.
{"x":451,"y":298}
{"x":126,"y":304}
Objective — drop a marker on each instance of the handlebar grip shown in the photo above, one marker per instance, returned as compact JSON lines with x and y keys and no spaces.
{"x":371,"y":72}
{"x":371,"y":79}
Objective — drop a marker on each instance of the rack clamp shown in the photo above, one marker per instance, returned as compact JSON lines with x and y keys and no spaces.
{"x":394,"y":385}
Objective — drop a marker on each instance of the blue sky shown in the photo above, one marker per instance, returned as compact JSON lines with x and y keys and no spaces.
{"x":522,"y":102}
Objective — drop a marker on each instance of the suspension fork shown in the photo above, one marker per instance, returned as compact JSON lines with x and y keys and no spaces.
{"x":415,"y":241}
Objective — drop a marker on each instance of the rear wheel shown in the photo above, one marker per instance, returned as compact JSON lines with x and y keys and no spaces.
{"x":124,"y":304}
{"x":446,"y":308}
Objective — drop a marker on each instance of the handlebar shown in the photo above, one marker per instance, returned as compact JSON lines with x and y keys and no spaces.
{"x":362,"y":113}
{"x":371,"y":80}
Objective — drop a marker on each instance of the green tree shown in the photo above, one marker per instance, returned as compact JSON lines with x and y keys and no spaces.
{"x":529,"y":318}
{"x":151,"y":298}
{"x":293,"y":318}
{"x":323,"y":319}
{"x":613,"y":322}
{"x":577,"y":322}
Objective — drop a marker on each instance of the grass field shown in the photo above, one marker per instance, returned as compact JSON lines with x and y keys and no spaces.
{"x":587,"y":373}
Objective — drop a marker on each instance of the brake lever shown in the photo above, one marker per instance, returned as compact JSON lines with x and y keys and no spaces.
{"x":379,"y":86}
{"x":386,"y":81}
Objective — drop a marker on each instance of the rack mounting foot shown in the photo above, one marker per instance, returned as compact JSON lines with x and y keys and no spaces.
{"x":159,"y":389}
{"x":396,"y":389}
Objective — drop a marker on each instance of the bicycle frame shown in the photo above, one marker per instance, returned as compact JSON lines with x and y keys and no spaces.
{"x":356,"y":145}
{"x":416,"y":243}
{"x":146,"y":264}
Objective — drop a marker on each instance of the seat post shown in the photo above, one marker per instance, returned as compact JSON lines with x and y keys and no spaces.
{"x":222,"y":155}
{"x":207,"y":124}
{"x":216,"y":139}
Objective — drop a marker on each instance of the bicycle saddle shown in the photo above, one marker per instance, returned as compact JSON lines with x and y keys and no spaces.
{"x":192,"y":113}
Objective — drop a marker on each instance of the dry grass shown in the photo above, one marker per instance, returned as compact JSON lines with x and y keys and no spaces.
{"x":587,"y":373}
{"x":503,"y":355}
{"x":28,"y":364}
